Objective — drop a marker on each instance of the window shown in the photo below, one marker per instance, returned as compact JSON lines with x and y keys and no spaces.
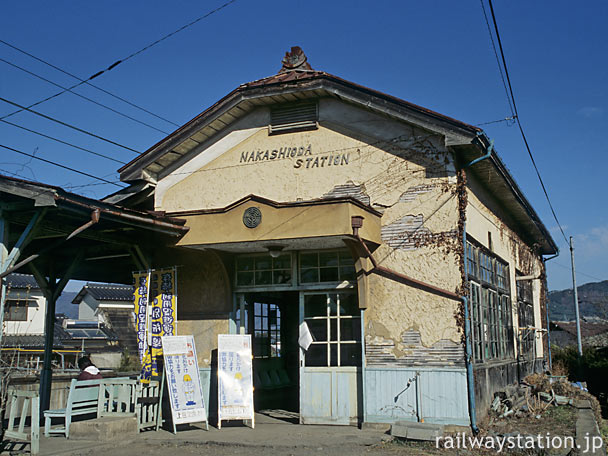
{"x":525,"y":311}
{"x":472,"y":259}
{"x":15,"y":310}
{"x":326,"y":266}
{"x":334,"y":320}
{"x":293,"y":117}
{"x":476,"y":321}
{"x":260,"y":270}
{"x":266,"y":330}
{"x":490,"y":306}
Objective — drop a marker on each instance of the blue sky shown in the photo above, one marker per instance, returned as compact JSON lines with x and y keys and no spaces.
{"x":435,"y":53}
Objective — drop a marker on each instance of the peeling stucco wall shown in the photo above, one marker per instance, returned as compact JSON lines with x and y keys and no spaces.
{"x":485,"y":216}
{"x":404,"y":172}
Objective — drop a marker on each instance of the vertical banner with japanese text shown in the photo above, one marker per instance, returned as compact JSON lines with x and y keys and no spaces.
{"x":163,"y":315}
{"x":235,"y":378}
{"x":157,"y":318}
{"x":140,"y":300}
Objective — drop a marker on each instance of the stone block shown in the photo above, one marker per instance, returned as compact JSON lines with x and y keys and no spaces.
{"x":104,"y":429}
{"x":417,"y":431}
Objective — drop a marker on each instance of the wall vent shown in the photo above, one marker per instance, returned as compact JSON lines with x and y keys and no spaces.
{"x":293,"y":117}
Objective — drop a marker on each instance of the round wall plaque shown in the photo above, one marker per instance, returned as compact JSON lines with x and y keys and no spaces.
{"x":252,"y":217}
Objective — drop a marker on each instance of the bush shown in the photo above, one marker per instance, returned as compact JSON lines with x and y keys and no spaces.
{"x":129,"y":362}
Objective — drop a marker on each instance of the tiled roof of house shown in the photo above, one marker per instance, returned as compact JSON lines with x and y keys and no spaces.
{"x":21,"y":281}
{"x":35,"y":340}
{"x":105,"y":292}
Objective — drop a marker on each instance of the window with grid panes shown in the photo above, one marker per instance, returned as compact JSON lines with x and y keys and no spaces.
{"x":525,"y":311}
{"x":476,"y":320}
{"x":326,"y":266}
{"x":491,"y":318}
{"x":263,"y":270}
{"x":472,"y":260}
{"x":334,"y":320}
{"x":266,"y":330}
{"x":15,"y":310}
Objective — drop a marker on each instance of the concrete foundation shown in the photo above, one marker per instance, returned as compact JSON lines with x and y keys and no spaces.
{"x":103,"y":429}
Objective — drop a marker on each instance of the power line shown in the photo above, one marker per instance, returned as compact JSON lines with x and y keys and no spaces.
{"x":90,"y":100}
{"x":59,"y":165}
{"x":510,"y":121}
{"x":67,"y":125}
{"x":519,"y":122}
{"x":577,"y":271}
{"x":62,"y":142}
{"x":107,"y":92}
{"x":502,"y":76}
{"x":130,"y":56}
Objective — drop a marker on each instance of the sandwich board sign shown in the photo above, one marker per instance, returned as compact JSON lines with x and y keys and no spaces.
{"x":235,"y":378}
{"x":183,"y":380}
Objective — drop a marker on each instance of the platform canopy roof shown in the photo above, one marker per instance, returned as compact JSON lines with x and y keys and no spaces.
{"x":52,"y":228}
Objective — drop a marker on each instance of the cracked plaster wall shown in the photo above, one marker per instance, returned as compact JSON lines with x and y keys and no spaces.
{"x":484,"y":215}
{"x":404,"y":172}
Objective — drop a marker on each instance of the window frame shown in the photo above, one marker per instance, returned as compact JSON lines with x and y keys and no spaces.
{"x":490,"y":301}
{"x":336,"y":339}
{"x":22,"y":305}
{"x":272,"y":270}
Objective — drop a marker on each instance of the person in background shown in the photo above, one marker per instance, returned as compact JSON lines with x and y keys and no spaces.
{"x":88,"y":370}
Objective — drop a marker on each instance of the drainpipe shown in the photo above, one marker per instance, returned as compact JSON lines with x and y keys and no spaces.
{"x":467,"y":316}
{"x":467,"y":343}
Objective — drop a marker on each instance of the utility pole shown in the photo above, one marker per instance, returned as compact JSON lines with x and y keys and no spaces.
{"x":575,"y":292}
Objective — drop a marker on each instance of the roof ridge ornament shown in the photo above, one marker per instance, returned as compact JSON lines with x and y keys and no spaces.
{"x":295,"y":60}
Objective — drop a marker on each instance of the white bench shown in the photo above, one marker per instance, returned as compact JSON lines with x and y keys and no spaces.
{"x":83,"y":399}
{"x":24,"y":403}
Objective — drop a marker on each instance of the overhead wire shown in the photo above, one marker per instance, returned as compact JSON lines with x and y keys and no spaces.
{"x":62,"y":142}
{"x":107,"y":92}
{"x":60,"y":165}
{"x":504,"y":62}
{"x":502,"y":76}
{"x":65,"y":124}
{"x":120,"y":61}
{"x":90,"y":100}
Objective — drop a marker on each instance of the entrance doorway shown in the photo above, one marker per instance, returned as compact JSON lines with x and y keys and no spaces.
{"x":330,"y":372}
{"x":272,"y":320}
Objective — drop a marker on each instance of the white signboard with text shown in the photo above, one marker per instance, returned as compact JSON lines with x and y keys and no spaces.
{"x":235,"y":378}
{"x":183,"y":380}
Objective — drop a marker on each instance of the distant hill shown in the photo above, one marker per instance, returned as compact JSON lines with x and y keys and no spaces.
{"x":592,"y":298}
{"x":64,"y":304}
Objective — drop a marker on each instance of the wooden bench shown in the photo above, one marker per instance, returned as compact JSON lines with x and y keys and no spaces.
{"x":28,"y":398}
{"x":83,"y":399}
{"x":117,"y":397}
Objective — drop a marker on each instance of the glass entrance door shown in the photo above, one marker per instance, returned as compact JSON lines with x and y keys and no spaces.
{"x":330,"y":367}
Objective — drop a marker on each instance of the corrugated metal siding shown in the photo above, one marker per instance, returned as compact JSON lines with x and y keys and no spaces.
{"x":443,"y":395}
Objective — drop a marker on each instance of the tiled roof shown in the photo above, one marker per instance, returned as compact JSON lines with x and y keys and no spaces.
{"x":15,"y":280}
{"x":106,"y":292}
{"x":35,"y":340}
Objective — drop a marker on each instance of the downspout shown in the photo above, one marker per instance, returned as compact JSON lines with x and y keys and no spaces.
{"x":467,"y":315}
{"x":467,"y":343}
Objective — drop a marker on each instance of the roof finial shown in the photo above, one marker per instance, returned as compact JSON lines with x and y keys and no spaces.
{"x":295,"y":60}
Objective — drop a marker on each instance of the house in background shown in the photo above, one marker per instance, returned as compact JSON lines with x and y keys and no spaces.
{"x":25,"y":306}
{"x":105,"y":308}
{"x":23,"y":328}
{"x":105,"y":317}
